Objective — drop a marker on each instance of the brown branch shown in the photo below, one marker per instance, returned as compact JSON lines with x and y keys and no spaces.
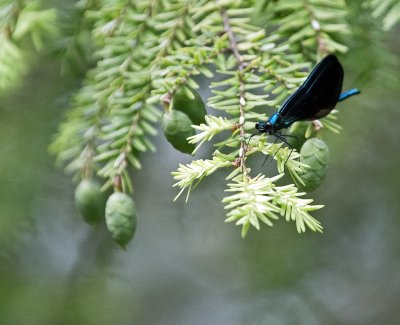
{"x":242,"y":100}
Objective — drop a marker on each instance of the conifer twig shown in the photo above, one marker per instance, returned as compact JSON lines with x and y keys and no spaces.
{"x":242,"y":99}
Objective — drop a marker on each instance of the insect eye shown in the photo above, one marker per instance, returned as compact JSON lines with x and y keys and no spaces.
{"x":257,"y":125}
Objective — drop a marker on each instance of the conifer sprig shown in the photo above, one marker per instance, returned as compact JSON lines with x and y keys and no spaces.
{"x":259,"y":199}
{"x":148,"y":50}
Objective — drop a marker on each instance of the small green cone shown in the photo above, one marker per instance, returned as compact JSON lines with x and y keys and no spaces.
{"x":314,"y":153}
{"x":121,"y":218}
{"x":189,"y":101}
{"x":177,"y":128}
{"x":298,"y":131}
{"x":90,"y":201}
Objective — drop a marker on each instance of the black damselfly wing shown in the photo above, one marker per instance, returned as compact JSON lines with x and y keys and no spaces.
{"x":318,"y":95}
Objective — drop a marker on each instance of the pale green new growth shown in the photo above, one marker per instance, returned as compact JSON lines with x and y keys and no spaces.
{"x":259,"y":199}
{"x":208,"y":130}
{"x":189,"y":175}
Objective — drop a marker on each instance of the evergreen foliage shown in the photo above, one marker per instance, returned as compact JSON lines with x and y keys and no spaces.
{"x":21,"y":22}
{"x":150,"y":49}
{"x":254,"y":54}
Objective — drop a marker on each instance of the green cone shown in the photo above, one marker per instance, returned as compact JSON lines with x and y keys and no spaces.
{"x":298,"y":131}
{"x":314,"y":153}
{"x":177,"y":128}
{"x":188,"y":101}
{"x":90,"y":201}
{"x":121,"y":218}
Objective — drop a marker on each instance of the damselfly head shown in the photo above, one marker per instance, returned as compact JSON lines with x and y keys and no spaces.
{"x":263,"y":127}
{"x":260,"y":126}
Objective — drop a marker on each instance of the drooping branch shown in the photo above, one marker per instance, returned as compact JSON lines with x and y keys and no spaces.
{"x":156,"y":47}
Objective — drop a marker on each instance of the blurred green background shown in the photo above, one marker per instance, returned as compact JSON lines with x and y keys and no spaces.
{"x":185,"y":265}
